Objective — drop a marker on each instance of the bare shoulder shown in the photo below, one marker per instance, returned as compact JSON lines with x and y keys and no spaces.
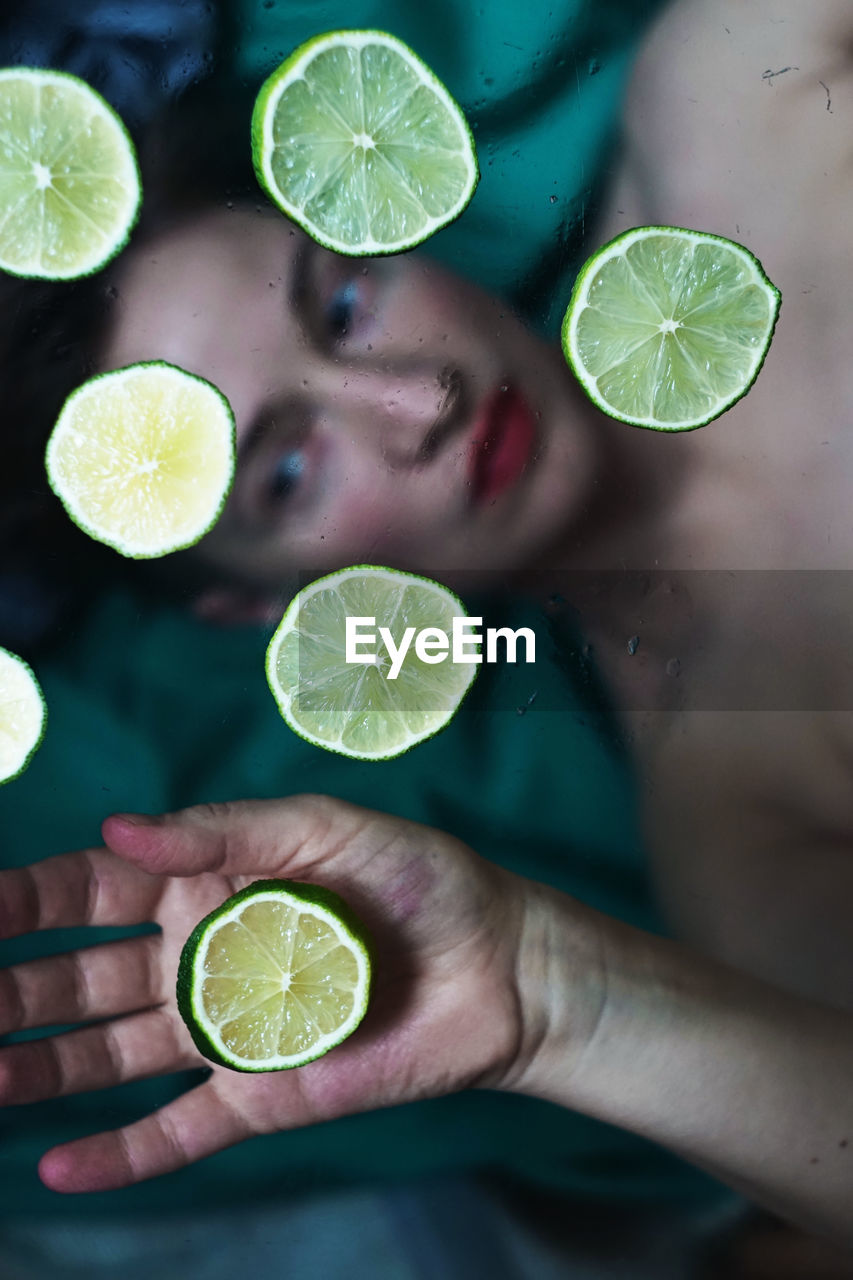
{"x":738,"y":121}
{"x":750,"y":824}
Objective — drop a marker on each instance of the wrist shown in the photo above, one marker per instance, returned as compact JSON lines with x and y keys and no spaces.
{"x":598,"y":1000}
{"x":561,"y":979}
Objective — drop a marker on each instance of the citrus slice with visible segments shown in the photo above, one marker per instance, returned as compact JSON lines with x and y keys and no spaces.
{"x":143,"y":458}
{"x":69,"y":181}
{"x":355,"y":139}
{"x":667,"y":328}
{"x":275,"y":977}
{"x":354,"y":707}
{"x":23,"y":715}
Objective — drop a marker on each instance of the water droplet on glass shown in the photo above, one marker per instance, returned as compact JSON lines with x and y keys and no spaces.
{"x":633,"y":645}
{"x":593,"y":67}
{"x":673,"y":667}
{"x":553,"y":199}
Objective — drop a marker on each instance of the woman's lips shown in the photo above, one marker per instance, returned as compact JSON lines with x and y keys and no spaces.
{"x":501,"y":444}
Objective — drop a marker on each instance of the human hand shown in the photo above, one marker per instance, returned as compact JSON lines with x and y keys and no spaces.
{"x":456,"y":941}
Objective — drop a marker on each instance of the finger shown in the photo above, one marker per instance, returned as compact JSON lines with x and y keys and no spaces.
{"x":198,"y":1124}
{"x":71,"y":889}
{"x":98,"y":982}
{"x":97,"y":1057}
{"x":262,"y":836}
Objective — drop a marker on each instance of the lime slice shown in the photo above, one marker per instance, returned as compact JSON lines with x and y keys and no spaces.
{"x":355,"y":139}
{"x":275,"y":977}
{"x":69,"y":181}
{"x":667,"y":328}
{"x":143,"y":458}
{"x":354,"y":708}
{"x":23,"y":715}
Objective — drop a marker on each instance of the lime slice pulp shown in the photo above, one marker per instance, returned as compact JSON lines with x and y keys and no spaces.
{"x":23,"y":715}
{"x":275,"y":977}
{"x":69,"y":181}
{"x":356,"y":140}
{"x":667,"y":328}
{"x":143,"y":458}
{"x":354,"y":708}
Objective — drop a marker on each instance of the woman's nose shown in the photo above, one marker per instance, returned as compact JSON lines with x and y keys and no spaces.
{"x":399,"y":411}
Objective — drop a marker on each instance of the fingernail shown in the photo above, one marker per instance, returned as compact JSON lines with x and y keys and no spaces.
{"x":136,"y":819}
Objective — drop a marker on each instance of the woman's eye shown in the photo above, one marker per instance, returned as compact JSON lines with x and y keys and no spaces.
{"x":341,"y":309}
{"x":343,"y":301}
{"x":286,"y":474}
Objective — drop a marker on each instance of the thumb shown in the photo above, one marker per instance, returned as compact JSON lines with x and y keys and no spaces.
{"x":245,"y":836}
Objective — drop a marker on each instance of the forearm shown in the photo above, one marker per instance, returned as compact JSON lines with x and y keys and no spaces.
{"x":748,"y":1082}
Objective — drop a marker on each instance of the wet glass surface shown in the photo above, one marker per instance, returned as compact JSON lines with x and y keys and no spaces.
{"x":690,"y":593}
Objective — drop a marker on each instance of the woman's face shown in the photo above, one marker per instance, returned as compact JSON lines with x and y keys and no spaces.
{"x":387,"y":412}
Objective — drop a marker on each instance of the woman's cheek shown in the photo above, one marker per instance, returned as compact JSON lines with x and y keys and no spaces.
{"x":453,"y":309}
{"x":374,"y":524}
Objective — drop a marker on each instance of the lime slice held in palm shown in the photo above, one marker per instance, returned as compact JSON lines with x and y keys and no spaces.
{"x":354,"y":708}
{"x":667,"y":328}
{"x":143,"y":458}
{"x":69,"y":180}
{"x":356,"y":140}
{"x":275,"y":977}
{"x":23,"y":715}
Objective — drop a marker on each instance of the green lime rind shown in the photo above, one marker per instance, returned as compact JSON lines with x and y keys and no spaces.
{"x":577,"y":304}
{"x":38,"y":736}
{"x":263,"y":116}
{"x":125,"y":226}
{"x":287,"y":624}
{"x":296,"y":893}
{"x":72,"y":508}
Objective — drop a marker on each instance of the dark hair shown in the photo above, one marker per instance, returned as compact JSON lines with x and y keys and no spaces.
{"x":195,"y":155}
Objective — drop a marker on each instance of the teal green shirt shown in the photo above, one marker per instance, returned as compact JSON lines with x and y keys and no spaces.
{"x":152,"y":710}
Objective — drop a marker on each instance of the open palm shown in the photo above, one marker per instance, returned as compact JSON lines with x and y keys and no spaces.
{"x":444,"y":1012}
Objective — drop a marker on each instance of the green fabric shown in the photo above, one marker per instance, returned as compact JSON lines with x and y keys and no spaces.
{"x":152,"y":710}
